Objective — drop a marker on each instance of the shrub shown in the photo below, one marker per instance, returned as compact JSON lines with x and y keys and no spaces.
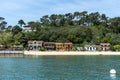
{"x":42,"y":49}
{"x":116,"y":47}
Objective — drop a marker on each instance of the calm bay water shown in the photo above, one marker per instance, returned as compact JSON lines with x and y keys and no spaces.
{"x":60,"y":68}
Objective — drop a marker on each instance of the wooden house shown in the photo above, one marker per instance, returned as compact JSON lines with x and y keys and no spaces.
{"x":35,"y":45}
{"x":63,"y":46}
{"x":105,"y":46}
{"x":50,"y":46}
{"x":90,"y":47}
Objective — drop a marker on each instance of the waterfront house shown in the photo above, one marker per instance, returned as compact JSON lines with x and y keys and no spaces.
{"x":105,"y":46}
{"x":35,"y":45}
{"x":50,"y":46}
{"x":79,"y":48}
{"x":90,"y":47}
{"x":63,"y":46}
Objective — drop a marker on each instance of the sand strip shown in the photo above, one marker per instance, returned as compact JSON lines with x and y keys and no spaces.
{"x":39,"y":53}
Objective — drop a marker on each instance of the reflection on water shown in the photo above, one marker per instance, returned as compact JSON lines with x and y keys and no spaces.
{"x":113,"y":76}
{"x":60,"y":68}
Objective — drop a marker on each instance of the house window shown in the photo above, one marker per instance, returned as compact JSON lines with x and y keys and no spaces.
{"x":34,"y":42}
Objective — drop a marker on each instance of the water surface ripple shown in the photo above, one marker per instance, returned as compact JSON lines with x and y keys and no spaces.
{"x":60,"y":68}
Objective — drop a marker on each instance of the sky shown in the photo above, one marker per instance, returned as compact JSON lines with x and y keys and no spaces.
{"x":33,"y":10}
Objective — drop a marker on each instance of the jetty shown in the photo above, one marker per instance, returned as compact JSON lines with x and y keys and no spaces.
{"x":9,"y":53}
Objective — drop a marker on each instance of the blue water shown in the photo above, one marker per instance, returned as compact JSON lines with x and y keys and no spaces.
{"x":60,"y":68}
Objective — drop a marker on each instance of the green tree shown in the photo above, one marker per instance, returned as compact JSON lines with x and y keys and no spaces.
{"x":9,"y":28}
{"x":2,"y":23}
{"x":116,"y":47}
{"x":53,"y":19}
{"x":17,"y":39}
{"x":6,"y":39}
{"x":69,"y":17}
{"x":35,"y":25}
{"x":16,"y":29}
{"x":21,"y":23}
{"x":45,"y":20}
{"x":115,"y":24}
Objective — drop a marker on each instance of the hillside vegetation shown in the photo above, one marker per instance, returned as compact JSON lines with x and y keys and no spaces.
{"x":79,"y":28}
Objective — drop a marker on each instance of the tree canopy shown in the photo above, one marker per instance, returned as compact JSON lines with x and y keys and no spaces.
{"x":78,"y":27}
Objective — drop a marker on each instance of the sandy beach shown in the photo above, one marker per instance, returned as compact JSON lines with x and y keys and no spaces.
{"x":39,"y":53}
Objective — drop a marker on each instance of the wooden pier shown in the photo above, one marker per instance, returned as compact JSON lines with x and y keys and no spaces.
{"x":11,"y":53}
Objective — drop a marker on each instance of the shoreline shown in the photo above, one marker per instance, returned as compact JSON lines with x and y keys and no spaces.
{"x":55,"y":53}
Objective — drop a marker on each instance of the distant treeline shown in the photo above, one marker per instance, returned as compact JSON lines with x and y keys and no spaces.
{"x":79,"y":28}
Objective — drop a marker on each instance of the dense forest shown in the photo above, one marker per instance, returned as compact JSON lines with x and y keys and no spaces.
{"x":80,"y":28}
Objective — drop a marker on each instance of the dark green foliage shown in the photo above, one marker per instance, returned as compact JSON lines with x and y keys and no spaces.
{"x":21,"y":22}
{"x":80,"y":28}
{"x":3,"y":23}
{"x":115,"y":24}
{"x":42,"y":49}
{"x":16,"y":29}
